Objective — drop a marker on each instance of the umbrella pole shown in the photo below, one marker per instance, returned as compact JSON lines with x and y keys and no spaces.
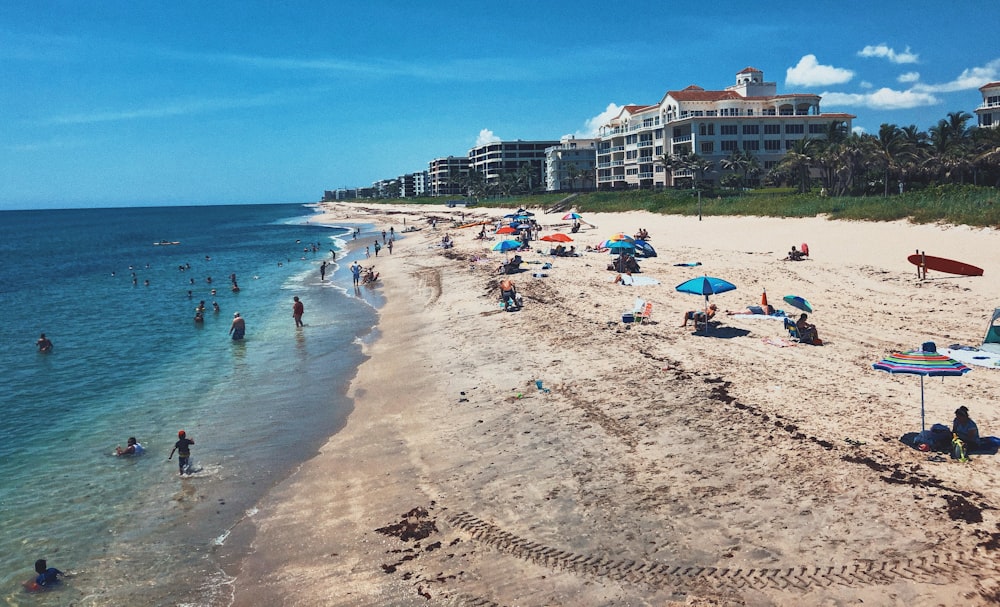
{"x":922,"y":425}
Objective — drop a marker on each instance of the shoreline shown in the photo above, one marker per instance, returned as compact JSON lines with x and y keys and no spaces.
{"x":659,"y":458}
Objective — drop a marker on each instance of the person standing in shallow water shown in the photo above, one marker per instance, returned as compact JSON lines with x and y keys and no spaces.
{"x":297,"y":310}
{"x":183,"y":449}
{"x":44,"y":345}
{"x":238,"y":328}
{"x":322,"y":271}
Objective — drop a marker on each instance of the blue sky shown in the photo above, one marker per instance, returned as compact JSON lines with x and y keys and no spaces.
{"x":158,"y":103}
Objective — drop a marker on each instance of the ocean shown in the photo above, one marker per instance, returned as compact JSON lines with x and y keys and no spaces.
{"x":129,"y":360}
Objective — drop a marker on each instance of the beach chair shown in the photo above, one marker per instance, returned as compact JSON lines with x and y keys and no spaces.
{"x":793,"y":329}
{"x":644,"y":314}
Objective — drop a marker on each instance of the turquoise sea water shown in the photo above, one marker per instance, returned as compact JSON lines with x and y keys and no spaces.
{"x":130,"y":361}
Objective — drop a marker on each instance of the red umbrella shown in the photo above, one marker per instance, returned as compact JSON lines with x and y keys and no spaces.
{"x":557,"y":237}
{"x":507,"y":230}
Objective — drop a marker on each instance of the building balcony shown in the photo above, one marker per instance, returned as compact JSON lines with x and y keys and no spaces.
{"x":646,"y":144}
{"x":645,"y":175}
{"x":681,"y":139}
{"x":618,"y":148}
{"x":603,"y":165}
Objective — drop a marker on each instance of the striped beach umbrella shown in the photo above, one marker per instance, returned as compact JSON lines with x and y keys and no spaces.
{"x":923,"y":362}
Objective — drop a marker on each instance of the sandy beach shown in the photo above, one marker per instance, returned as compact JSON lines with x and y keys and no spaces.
{"x":657,"y":464}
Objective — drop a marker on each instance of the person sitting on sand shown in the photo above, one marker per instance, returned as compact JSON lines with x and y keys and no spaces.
{"x":757,"y":310}
{"x":794,"y":255}
{"x":807,"y":330}
{"x":965,"y":429}
{"x":700,"y":316}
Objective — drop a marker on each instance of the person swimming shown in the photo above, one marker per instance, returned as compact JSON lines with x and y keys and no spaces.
{"x":132,"y":448}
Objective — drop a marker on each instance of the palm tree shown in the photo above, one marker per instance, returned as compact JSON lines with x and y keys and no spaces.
{"x":798,"y":161}
{"x":699,"y":166}
{"x":736,"y":163}
{"x":892,"y":147}
{"x":526,"y":176}
{"x":572,"y":173}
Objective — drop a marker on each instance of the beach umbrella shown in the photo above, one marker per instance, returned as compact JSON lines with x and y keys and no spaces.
{"x":705,"y":285}
{"x":618,"y":246}
{"x":524,"y":213}
{"x":572,"y":216}
{"x":798,"y":302}
{"x":507,"y":245}
{"x":622,"y":236}
{"x":923,"y":362}
{"x":557,"y":237}
{"x":507,"y":230}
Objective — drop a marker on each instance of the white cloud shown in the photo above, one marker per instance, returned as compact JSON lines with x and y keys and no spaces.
{"x":865,"y":84}
{"x":908,"y":77}
{"x":882,"y":99}
{"x":593,"y":125}
{"x":971,"y":78}
{"x":858,"y":130}
{"x":809,"y":72}
{"x":883,"y":51}
{"x":486,"y":136}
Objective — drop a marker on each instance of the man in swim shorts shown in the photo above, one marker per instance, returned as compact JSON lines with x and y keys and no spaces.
{"x":238,"y":328}
{"x":183,"y":449}
{"x":47,"y":576}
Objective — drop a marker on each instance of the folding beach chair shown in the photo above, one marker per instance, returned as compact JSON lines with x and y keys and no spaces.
{"x":644,"y":314}
{"x":793,"y":329}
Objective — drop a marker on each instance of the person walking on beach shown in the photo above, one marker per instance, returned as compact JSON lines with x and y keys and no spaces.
{"x":389,"y":246}
{"x":356,"y":272}
{"x":238,"y":328}
{"x":368,"y":254}
{"x":378,"y":248}
{"x":297,"y":309}
{"x":383,"y":236}
{"x":44,"y":345}
{"x":183,"y":449}
{"x":322,"y":270}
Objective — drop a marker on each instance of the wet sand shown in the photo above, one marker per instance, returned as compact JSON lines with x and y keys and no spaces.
{"x":658,"y":465}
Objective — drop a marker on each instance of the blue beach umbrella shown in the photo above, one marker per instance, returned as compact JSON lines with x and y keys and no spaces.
{"x":923,"y":362}
{"x":618,"y":246}
{"x":705,"y":285}
{"x":507,"y":245}
{"x":798,"y":302}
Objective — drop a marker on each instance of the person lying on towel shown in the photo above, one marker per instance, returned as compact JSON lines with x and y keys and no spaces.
{"x":699,"y":316}
{"x":768,"y":309}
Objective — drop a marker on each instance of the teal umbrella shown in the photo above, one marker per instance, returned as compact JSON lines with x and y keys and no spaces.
{"x":507,"y":245}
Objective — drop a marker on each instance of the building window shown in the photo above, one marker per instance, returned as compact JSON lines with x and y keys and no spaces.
{"x":751,"y":145}
{"x":751,"y":129}
{"x":707,"y":147}
{"x":702,"y":129}
{"x":729,"y":145}
{"x":728,"y":129}
{"x":772,"y":145}
{"x":659,"y":150}
{"x":632,"y":171}
{"x":772,"y":129}
{"x":790,"y":143}
{"x":795,"y":129}
{"x":631,"y":154}
{"x":817,"y":129}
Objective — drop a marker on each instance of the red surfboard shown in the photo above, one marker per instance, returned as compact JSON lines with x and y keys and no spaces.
{"x":948,"y":266}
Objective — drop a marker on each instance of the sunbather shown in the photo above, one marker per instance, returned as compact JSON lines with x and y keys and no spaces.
{"x":807,"y":330}
{"x":768,"y":309}
{"x":700,"y":316}
{"x":794,"y":255}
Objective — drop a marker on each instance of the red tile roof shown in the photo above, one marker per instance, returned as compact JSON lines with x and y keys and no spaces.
{"x":989,"y":86}
{"x":696,"y":93}
{"x":747,"y":70}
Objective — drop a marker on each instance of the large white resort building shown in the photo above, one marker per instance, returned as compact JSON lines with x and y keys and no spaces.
{"x":749,"y":116}
{"x":988,"y":113}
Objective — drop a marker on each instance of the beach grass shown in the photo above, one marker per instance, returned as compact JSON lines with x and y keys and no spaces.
{"x":959,"y":205}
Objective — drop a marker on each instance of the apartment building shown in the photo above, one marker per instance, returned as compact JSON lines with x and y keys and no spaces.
{"x":444,"y":175}
{"x":412,"y":185}
{"x":571,"y":165}
{"x":988,"y":114}
{"x":749,"y":116}
{"x":493,"y":160}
